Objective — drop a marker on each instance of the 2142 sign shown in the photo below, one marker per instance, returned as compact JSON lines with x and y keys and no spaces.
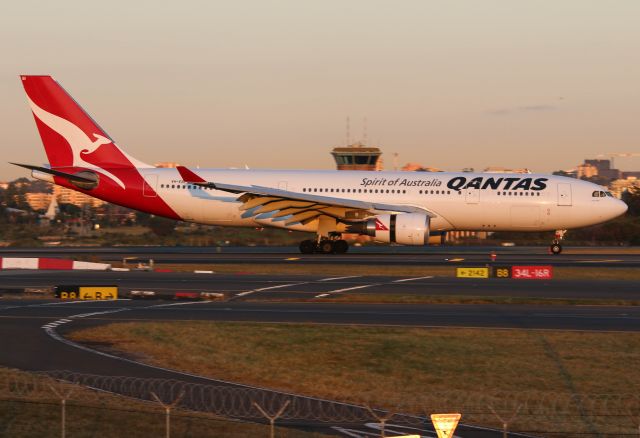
{"x":532,"y":272}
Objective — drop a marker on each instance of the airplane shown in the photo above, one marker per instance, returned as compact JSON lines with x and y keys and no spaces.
{"x":408,"y":208}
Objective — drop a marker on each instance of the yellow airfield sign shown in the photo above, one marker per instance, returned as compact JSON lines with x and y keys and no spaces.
{"x":445,"y":424}
{"x":472,"y":272}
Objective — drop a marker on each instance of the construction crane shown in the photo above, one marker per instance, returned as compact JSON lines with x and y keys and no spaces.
{"x":612,"y":155}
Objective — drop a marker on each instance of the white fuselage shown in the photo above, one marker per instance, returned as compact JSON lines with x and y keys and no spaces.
{"x":459,"y":201}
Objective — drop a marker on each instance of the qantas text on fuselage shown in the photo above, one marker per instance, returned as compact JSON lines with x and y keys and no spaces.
{"x":394,"y":207}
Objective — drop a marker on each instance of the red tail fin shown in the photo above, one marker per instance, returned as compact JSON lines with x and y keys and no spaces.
{"x":71,"y":138}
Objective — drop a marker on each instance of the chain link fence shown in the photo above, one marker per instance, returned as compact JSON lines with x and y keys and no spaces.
{"x":531,"y":413}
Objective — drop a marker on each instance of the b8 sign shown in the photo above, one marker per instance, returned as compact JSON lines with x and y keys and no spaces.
{"x":532,"y":272}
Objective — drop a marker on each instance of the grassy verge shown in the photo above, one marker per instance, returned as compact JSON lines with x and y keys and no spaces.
{"x":465,"y":299}
{"x":29,"y":408}
{"x":400,"y":366}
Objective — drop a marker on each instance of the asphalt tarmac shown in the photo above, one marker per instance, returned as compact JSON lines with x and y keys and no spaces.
{"x":264,"y":287}
{"x":366,"y":255}
{"x":33,"y":339}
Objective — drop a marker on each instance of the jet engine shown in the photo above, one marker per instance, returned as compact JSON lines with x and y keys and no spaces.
{"x":404,"y":228}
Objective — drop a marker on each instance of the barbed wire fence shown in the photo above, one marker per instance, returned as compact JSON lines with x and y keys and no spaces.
{"x":533,"y":413}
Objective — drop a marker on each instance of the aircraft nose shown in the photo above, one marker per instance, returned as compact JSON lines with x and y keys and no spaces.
{"x":620,"y":208}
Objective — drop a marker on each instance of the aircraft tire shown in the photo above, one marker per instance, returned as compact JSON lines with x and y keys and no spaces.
{"x":340,"y":246}
{"x":326,"y":247}
{"x":307,"y":247}
{"x":555,"y":248}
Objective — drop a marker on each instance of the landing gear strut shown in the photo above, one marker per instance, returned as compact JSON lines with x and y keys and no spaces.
{"x":332,"y":245}
{"x":555,"y":247}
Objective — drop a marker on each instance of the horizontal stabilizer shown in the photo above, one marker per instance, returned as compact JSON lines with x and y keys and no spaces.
{"x":69,"y":176}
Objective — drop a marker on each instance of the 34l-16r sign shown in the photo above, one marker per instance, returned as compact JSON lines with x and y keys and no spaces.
{"x":532,"y":272}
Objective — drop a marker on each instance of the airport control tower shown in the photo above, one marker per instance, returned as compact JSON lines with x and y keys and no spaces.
{"x":357,"y":156}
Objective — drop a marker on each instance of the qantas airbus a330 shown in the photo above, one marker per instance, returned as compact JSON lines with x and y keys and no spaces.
{"x":407,"y":208}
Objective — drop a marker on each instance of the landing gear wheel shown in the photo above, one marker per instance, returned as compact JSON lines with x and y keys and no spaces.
{"x":555,"y":248}
{"x":307,"y":246}
{"x":340,"y":246}
{"x":326,"y":247}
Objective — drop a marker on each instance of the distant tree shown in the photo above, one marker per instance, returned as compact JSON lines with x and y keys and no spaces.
{"x":161,"y":226}
{"x":632,"y":198}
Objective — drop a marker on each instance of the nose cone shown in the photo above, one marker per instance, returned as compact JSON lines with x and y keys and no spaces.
{"x":619,"y":208}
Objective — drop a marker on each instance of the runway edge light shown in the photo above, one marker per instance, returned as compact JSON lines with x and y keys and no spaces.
{"x":445,"y":424}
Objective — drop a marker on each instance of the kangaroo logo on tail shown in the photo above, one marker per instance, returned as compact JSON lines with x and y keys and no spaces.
{"x":81,"y":145}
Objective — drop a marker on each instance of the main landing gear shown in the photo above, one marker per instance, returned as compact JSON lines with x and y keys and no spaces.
{"x":555,"y":247}
{"x":332,"y":245}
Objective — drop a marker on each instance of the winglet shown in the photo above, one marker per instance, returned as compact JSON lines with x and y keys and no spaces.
{"x":188,"y":176}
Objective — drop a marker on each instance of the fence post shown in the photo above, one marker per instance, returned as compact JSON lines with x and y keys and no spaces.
{"x":63,"y":396}
{"x":272,"y":419}
{"x":167,"y":411}
{"x":505,"y":423}
{"x":381,"y":419}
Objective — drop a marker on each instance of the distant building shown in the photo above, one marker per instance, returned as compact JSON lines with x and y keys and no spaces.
{"x":4,"y":185}
{"x":38,"y":201}
{"x":68,"y":196}
{"x":167,"y":164}
{"x":586,"y":171}
{"x":499,"y":169}
{"x":604,"y":169}
{"x":415,"y":167}
{"x":357,"y":156}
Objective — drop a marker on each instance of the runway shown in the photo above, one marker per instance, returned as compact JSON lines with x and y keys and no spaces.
{"x":366,"y":255}
{"x":255,"y":287}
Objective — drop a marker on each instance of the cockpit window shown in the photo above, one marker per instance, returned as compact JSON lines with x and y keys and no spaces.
{"x":595,"y":194}
{"x":610,"y":194}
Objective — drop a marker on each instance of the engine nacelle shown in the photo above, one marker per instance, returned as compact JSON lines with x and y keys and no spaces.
{"x":404,"y":228}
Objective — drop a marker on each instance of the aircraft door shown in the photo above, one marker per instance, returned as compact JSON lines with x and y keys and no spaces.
{"x":564,"y":194}
{"x":150,"y":186}
{"x":282,"y":185}
{"x":472,"y":196}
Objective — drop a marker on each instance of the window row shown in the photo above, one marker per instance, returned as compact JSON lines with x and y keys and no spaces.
{"x":325,"y":190}
{"x":519,"y":193}
{"x":184,"y":186}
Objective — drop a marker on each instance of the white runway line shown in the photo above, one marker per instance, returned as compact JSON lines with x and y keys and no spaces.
{"x":340,"y":278}
{"x":412,"y":279}
{"x":178,"y":304}
{"x":249,"y":292}
{"x":350,"y":288}
{"x":321,"y":295}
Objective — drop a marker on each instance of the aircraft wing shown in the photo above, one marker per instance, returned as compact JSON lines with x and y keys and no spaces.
{"x":299,"y":207}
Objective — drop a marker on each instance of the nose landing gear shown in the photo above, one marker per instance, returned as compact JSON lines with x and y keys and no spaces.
{"x":556,"y":247}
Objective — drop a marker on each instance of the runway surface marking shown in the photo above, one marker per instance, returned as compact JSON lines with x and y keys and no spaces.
{"x":252,"y":291}
{"x":178,"y":304}
{"x":412,"y":279}
{"x":331,"y":292}
{"x":340,"y":278}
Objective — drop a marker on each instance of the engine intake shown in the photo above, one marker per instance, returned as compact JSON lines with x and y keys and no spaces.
{"x":405,"y":228}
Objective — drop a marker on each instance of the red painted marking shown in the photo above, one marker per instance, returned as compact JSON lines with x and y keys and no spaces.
{"x":190,"y":295}
{"x":48,"y":263}
{"x":532,"y":272}
{"x":162,"y":270}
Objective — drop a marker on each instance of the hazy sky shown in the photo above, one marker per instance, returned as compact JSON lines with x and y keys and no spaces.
{"x":537,"y":84}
